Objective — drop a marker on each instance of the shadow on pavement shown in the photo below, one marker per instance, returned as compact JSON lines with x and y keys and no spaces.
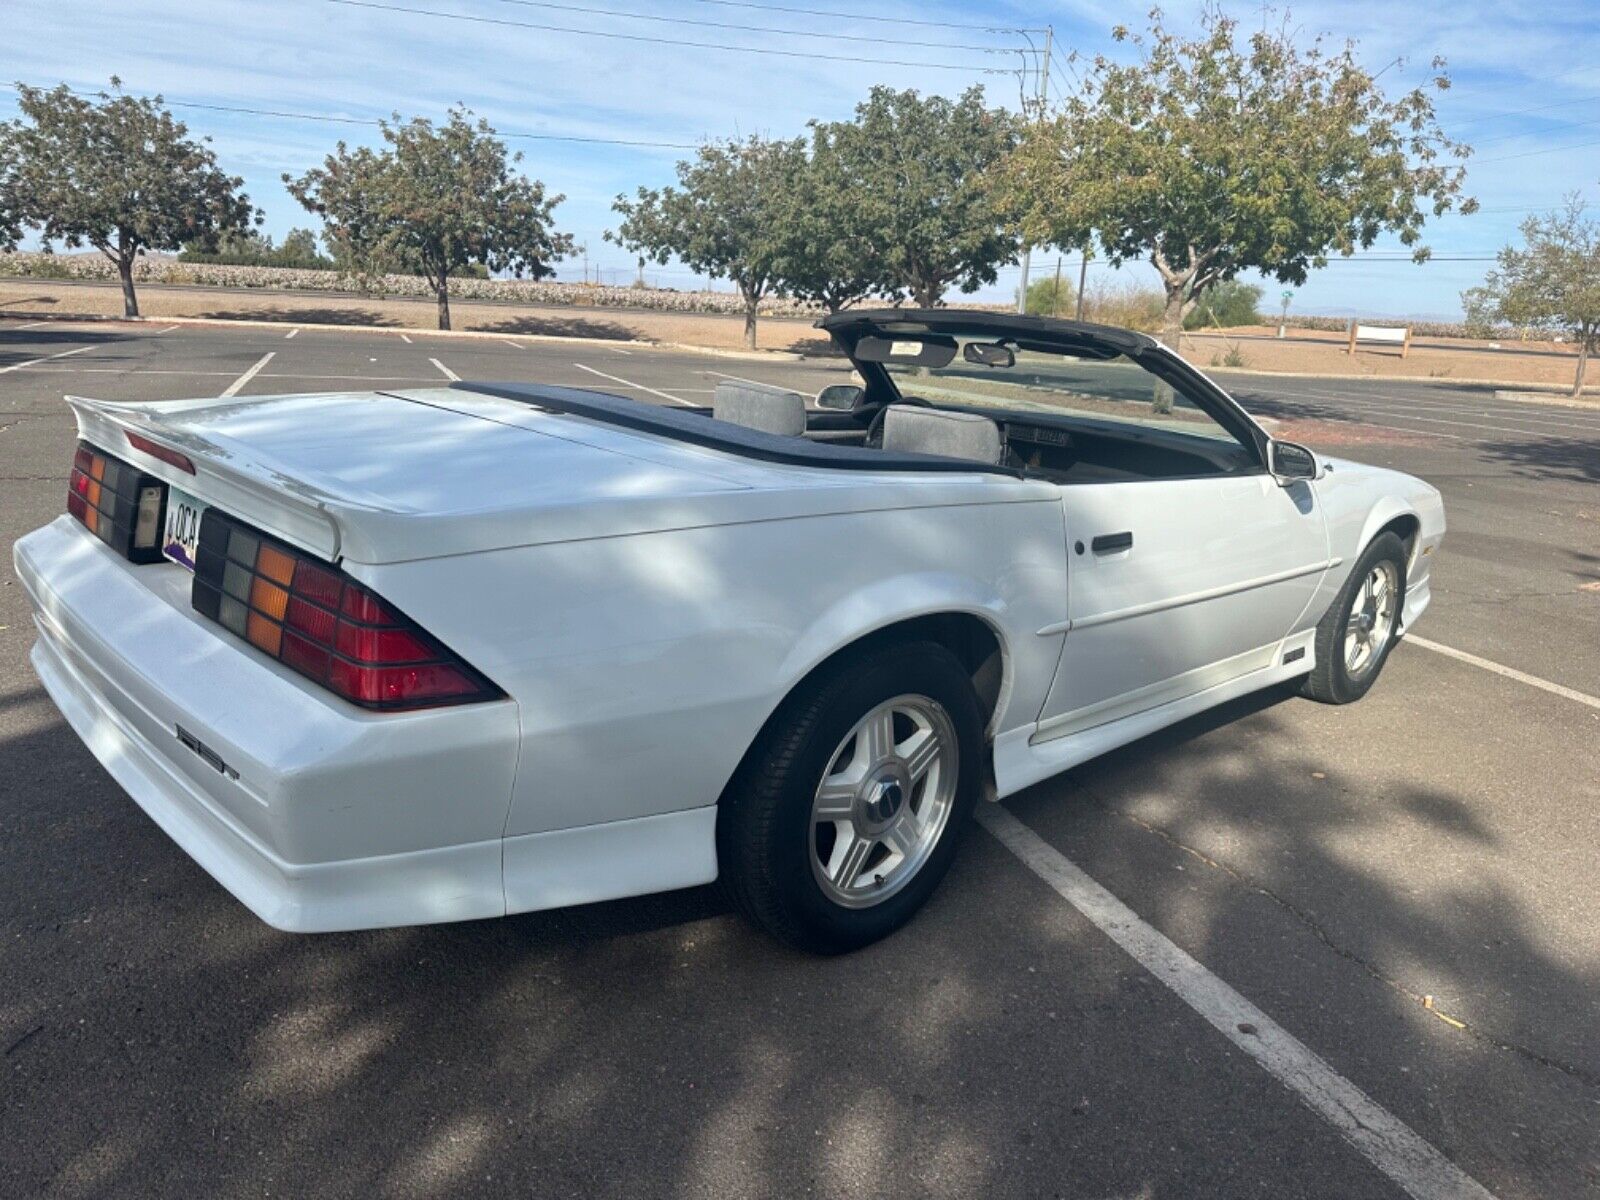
{"x":1570,"y":458}
{"x":314,"y":314}
{"x":585,"y":327}
{"x":27,"y":344}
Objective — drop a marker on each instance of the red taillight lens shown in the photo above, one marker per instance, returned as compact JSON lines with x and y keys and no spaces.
{"x":117,"y":503}
{"x":318,"y":621}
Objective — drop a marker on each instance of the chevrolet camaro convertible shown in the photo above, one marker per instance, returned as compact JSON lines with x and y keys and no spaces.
{"x":388,"y":658}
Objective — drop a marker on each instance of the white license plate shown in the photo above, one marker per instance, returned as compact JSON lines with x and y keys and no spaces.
{"x":182,"y":534}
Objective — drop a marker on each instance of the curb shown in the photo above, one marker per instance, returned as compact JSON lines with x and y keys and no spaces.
{"x":394,"y":330}
{"x":1529,"y":392}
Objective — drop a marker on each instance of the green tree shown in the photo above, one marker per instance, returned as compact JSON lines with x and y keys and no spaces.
{"x":920,"y":163}
{"x":729,"y":217}
{"x":1206,"y":157}
{"x":1228,"y":303}
{"x":1049,"y":296}
{"x":118,"y":173}
{"x":832,"y":253}
{"x":299,"y":245}
{"x":437,"y":200}
{"x":1551,"y":283}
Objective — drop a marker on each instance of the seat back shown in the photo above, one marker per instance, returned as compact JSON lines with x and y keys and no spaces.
{"x":760,"y":406}
{"x":917,"y":430}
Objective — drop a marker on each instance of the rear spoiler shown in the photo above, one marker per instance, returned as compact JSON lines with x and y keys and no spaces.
{"x":253,"y":491}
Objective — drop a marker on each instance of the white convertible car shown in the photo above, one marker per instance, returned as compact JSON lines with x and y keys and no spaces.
{"x":388,"y":658}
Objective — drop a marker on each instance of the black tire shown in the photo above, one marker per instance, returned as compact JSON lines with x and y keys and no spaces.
{"x":1330,"y":681}
{"x":764,"y":823}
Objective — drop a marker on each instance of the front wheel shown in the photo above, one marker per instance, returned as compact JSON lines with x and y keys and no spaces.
{"x":1360,"y":627}
{"x":847,"y":813}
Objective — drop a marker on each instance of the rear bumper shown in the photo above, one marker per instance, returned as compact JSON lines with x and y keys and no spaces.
{"x":323,"y":817}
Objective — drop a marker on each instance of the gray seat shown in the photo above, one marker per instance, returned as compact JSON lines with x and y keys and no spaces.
{"x":918,"y":430}
{"x":760,"y":406}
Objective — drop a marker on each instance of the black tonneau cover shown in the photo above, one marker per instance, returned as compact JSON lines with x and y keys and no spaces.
{"x":696,"y":426}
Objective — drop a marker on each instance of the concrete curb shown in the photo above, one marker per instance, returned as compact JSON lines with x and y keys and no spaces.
{"x":1530,"y":392}
{"x":479,"y":334}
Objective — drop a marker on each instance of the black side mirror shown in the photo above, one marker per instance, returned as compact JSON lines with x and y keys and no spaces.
{"x":1290,"y":462}
{"x":841,"y":397}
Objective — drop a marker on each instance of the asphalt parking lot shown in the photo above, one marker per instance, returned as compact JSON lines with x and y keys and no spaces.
{"x":1406,"y":888}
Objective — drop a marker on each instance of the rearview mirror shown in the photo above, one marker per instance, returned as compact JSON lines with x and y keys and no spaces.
{"x":1290,"y":462}
{"x":989,"y":354}
{"x":840,"y":397}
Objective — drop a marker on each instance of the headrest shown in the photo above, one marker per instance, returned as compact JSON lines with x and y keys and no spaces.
{"x":918,"y":430}
{"x":760,"y":406}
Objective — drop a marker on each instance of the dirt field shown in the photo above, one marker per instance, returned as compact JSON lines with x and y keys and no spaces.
{"x":1515,"y":364}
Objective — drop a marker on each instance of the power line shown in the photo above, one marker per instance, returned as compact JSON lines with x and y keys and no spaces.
{"x":835,"y":37}
{"x":661,"y":41}
{"x":329,"y":119}
{"x":1531,"y":153}
{"x":857,"y":16}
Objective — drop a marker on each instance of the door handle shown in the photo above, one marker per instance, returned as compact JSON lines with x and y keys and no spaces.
{"x":1107,"y":542}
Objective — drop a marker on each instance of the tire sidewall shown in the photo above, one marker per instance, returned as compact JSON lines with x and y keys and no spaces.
{"x":920,"y":669}
{"x":1385,"y":546}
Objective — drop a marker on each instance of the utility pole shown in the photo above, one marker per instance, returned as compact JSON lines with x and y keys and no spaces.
{"x":1083,"y":275}
{"x":1055,"y":296}
{"x":1043,"y":72}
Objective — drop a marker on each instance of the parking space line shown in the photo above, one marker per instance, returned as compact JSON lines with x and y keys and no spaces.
{"x":291,"y":333}
{"x":168,"y":329}
{"x":1381,"y":1137}
{"x":640,"y":386}
{"x":29,"y":325}
{"x":33,"y":362}
{"x":444,"y":370}
{"x":233,"y":388}
{"x":405,"y":339}
{"x":1486,"y":664}
{"x":738,"y":378}
{"x":514,"y":345}
{"x":618,"y":350}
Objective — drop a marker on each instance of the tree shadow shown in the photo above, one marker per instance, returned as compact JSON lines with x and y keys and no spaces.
{"x":311,"y":314}
{"x":1568,"y":458}
{"x":28,"y":344}
{"x":582,"y":327}
{"x":659,"y":1047}
{"x":815,"y":346}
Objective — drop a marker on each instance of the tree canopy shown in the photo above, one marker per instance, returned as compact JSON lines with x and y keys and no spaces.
{"x":114,"y":172}
{"x":438,"y":199}
{"x":917,"y":165}
{"x":1552,"y":282}
{"x":833,"y":253}
{"x":1207,"y":156}
{"x":731,"y":216}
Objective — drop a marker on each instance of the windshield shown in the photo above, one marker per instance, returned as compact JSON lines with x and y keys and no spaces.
{"x":1000,"y":375}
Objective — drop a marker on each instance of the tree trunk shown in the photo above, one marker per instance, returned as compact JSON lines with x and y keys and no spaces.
{"x":1583,"y":366}
{"x":750,"y":302}
{"x":926,"y":294}
{"x":1161,"y":398}
{"x":444,"y":303}
{"x":130,"y":302}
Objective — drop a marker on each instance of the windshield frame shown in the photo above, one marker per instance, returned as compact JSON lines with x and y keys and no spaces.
{"x":1045,"y":335}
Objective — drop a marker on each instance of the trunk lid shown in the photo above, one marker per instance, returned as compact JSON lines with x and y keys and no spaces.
{"x":383,"y":477}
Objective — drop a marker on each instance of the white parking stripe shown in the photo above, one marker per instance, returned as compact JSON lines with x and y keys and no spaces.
{"x":405,"y":339}
{"x":29,"y":325}
{"x":1486,"y":664}
{"x":233,"y":388}
{"x":33,"y":362}
{"x":509,"y":342}
{"x":168,"y":329}
{"x":1382,"y":1138}
{"x":444,"y":370}
{"x":738,"y":378}
{"x":618,"y":350}
{"x":630,"y":383}
{"x":290,"y":334}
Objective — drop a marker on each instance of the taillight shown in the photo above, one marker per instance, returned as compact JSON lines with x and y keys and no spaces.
{"x":316,"y":620}
{"x":117,"y":503}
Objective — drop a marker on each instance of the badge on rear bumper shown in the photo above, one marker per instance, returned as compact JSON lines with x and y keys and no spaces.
{"x":182,"y":534}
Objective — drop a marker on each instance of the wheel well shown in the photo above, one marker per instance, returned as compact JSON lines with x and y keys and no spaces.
{"x":1406,"y":529}
{"x":969,"y":638}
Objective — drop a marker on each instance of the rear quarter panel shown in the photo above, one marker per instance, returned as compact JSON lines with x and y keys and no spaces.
{"x":644,"y":665}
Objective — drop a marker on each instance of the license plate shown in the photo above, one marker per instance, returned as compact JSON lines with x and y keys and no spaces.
{"x":182,"y":534}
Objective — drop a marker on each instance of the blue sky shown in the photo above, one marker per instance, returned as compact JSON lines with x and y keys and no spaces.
{"x":1526,"y":94}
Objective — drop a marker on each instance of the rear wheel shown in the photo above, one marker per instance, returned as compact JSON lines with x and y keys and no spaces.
{"x":846,"y":815}
{"x":1359,"y":629}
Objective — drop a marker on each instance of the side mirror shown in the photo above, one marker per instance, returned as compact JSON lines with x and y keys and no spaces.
{"x":841,"y":397}
{"x":1290,"y":462}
